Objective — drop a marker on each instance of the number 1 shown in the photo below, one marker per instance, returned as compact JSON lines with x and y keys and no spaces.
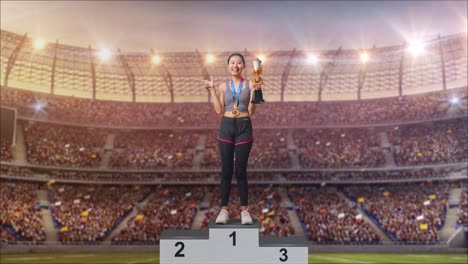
{"x":233,"y":235}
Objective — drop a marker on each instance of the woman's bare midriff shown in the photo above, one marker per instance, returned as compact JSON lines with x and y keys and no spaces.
{"x":241,"y":114}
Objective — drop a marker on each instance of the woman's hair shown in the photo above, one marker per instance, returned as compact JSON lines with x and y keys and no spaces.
{"x":236,"y":54}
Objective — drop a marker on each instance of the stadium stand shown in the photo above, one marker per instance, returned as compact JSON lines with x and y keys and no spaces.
{"x":400,"y":128}
{"x":20,"y":217}
{"x":328,"y":219}
{"x":409,"y":213}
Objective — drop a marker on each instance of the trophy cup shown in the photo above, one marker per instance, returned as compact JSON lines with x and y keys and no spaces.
{"x":258,"y":95}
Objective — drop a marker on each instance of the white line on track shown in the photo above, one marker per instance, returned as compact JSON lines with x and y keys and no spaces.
{"x":459,"y":258}
{"x":28,"y":258}
{"x":141,"y":261}
{"x":343,"y":260}
{"x":419,"y":256}
{"x":78,"y":256}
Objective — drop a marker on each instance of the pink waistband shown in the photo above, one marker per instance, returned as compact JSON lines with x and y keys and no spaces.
{"x":238,"y":143}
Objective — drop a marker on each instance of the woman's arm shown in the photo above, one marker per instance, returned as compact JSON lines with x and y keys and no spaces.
{"x":252,"y":106}
{"x":217,"y":95}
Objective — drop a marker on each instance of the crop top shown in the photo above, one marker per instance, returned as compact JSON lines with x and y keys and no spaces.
{"x":244,"y":97}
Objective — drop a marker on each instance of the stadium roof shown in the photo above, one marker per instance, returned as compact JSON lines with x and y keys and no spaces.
{"x":339,"y":74}
{"x":230,"y":25}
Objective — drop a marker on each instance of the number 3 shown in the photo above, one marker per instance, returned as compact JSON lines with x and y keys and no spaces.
{"x":284,"y":251}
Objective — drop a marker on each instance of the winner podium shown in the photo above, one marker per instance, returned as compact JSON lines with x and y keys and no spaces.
{"x":230,"y":243}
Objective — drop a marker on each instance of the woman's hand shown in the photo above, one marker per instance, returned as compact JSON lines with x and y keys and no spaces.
{"x":257,"y":85}
{"x":208,"y":84}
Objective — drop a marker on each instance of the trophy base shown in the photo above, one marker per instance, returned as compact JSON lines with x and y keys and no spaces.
{"x":257,"y":97}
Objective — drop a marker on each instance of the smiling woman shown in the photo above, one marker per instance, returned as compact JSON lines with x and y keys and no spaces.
{"x":235,"y":134}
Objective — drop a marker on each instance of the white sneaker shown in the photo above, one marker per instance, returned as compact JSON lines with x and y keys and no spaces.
{"x":245,"y":218}
{"x":223,"y":217}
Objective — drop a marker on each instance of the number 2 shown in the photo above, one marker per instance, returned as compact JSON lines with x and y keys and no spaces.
{"x":178,"y":253}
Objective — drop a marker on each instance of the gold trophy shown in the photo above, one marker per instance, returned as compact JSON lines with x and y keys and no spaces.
{"x":257,"y":70}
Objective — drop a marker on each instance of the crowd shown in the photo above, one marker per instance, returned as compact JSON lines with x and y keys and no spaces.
{"x":328,"y":218}
{"x":259,"y":176}
{"x":86,"y":176}
{"x":65,"y":146}
{"x":395,"y":175}
{"x":363,"y":176}
{"x":20,"y":212}
{"x":463,"y":208}
{"x":265,"y":204}
{"x":86,"y":111}
{"x":140,"y":149}
{"x":309,"y":176}
{"x":442,"y":142}
{"x":7,"y":236}
{"x":409,"y":213}
{"x":211,"y":159}
{"x":5,"y":151}
{"x":90,"y":212}
{"x":338,"y":148}
{"x":432,"y":143}
{"x":269,"y":149}
{"x":211,"y":156}
{"x":169,"y":207}
{"x":16,"y":171}
{"x":318,"y":176}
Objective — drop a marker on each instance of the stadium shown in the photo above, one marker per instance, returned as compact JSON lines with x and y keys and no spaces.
{"x":361,"y":152}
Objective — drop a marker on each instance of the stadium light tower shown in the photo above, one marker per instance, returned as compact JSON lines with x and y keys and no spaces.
{"x":155,"y":59}
{"x":39,"y":44}
{"x":364,"y":57}
{"x":105,"y":54}
{"x":312,"y":59}
{"x":210,"y":58}
{"x":454,"y":100}
{"x":38,"y":106}
{"x":416,"y":47}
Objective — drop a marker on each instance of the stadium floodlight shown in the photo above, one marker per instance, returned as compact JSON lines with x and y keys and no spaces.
{"x":39,"y":44}
{"x":312,"y":58}
{"x":261,"y":57}
{"x":416,"y":47}
{"x":454,"y":100}
{"x":155,"y":59}
{"x":38,"y":106}
{"x":364,"y":57}
{"x":105,"y":54}
{"x":210,"y":58}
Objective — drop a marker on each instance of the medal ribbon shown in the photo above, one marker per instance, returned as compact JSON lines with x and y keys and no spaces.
{"x":236,"y":95}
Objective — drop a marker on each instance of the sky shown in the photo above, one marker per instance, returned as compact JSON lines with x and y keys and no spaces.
{"x":233,"y":25}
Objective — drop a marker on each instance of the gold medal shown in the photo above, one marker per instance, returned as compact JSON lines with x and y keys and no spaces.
{"x":235,"y":112}
{"x":235,"y":97}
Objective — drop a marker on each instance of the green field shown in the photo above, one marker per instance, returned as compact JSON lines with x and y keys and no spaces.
{"x":313,"y":258}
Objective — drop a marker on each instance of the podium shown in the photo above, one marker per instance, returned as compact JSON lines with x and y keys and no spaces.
{"x":232,"y":243}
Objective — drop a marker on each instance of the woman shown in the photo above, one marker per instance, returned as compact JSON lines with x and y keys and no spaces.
{"x":232,"y":99}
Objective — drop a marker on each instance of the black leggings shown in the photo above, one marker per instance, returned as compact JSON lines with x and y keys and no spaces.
{"x":235,"y":138}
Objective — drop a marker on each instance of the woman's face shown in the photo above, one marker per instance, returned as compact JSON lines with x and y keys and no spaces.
{"x":235,"y":65}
